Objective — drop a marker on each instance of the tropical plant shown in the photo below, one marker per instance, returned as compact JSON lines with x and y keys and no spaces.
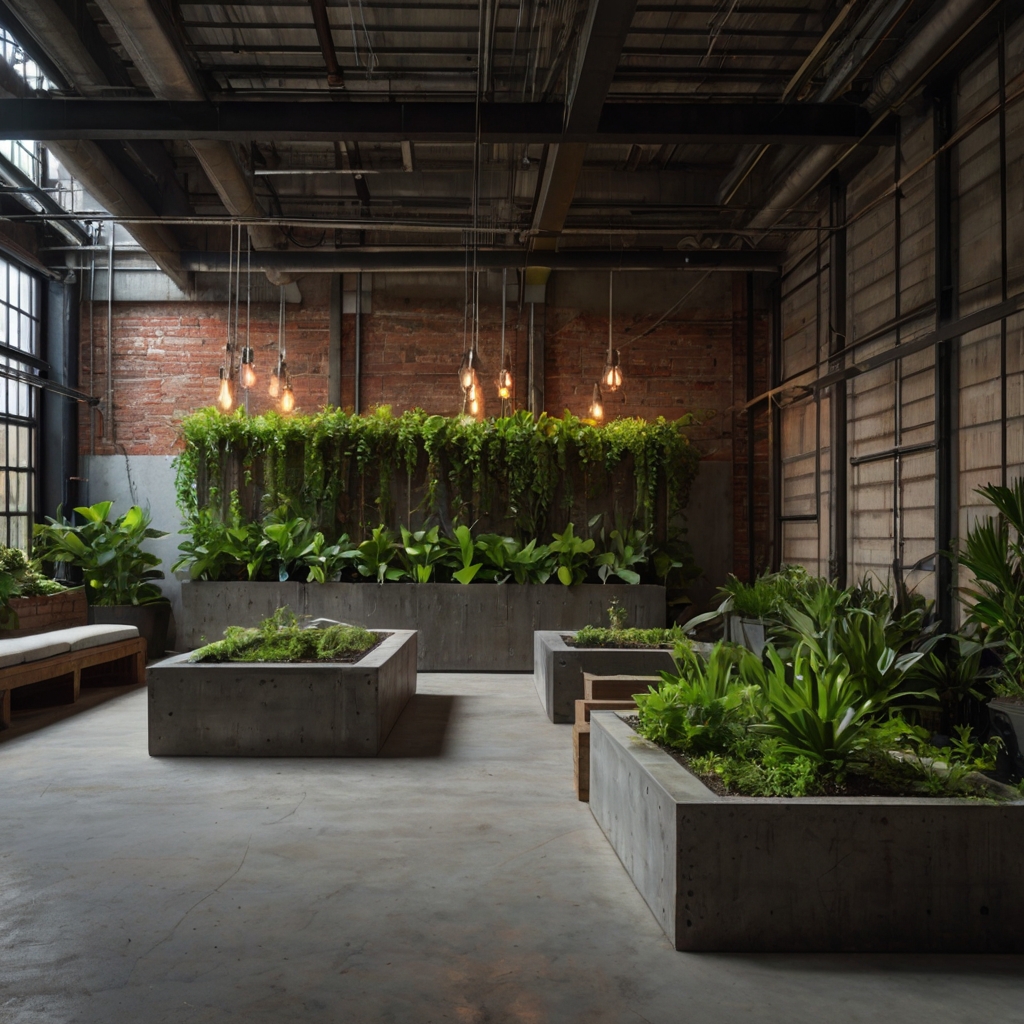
{"x":376,"y":554}
{"x":116,"y":569}
{"x":571,"y":556}
{"x":421,"y":552}
{"x":624,"y":555}
{"x":702,"y":706}
{"x":994,"y":552}
{"x":461,"y":554}
{"x":219,"y":549}
{"x":506,"y":558}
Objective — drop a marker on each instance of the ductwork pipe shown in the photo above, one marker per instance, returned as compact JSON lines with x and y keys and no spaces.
{"x":950,"y":20}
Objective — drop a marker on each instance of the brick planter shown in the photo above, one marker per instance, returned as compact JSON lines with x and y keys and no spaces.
{"x":267,"y":709}
{"x":44,"y":612}
{"x":483,"y":627}
{"x":821,"y":874}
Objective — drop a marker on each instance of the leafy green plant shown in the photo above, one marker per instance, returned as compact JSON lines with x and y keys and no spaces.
{"x":624,"y":556}
{"x":421,"y":552}
{"x":376,"y":554}
{"x":994,"y":552}
{"x":505,"y":558}
{"x":702,"y":707}
{"x":219,"y":549}
{"x":461,"y":554}
{"x":280,"y":638}
{"x":117,"y":570}
{"x":601,"y":636}
{"x":617,"y":614}
{"x":571,"y":556}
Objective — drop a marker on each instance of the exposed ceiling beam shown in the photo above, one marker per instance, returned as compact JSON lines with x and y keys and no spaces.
{"x":428,"y":121}
{"x":353,"y":260}
{"x":146,"y":32}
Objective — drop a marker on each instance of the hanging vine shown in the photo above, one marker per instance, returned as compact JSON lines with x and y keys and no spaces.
{"x":516,"y":469}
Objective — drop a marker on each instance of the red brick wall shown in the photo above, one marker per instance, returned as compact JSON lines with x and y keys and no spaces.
{"x":167,"y":356}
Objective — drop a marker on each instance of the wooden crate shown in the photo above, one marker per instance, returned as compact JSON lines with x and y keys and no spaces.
{"x":615,"y":687}
{"x":581,"y":740}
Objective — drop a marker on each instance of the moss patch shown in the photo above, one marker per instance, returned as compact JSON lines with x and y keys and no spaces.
{"x":281,"y":639}
{"x":602,"y":636}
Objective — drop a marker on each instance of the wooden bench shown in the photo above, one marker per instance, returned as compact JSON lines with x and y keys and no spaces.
{"x":64,"y":654}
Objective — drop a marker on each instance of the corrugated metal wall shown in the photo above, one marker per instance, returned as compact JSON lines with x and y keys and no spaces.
{"x":891,"y":291}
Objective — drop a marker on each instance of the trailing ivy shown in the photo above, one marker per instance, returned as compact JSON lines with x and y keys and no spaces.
{"x":339,"y":470}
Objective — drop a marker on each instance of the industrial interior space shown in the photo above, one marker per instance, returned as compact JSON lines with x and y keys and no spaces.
{"x":511,"y":511}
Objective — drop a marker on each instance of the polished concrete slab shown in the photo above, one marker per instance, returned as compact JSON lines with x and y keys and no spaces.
{"x":455,"y":878}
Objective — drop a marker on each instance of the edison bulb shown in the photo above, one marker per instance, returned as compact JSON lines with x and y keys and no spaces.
{"x":597,"y":404}
{"x":287,"y":399}
{"x":612,"y":378}
{"x":474,"y":406}
{"x":225,"y":399}
{"x":505,"y":384}
{"x":467,"y":372}
{"x":248,"y":375}
{"x":274,"y":388}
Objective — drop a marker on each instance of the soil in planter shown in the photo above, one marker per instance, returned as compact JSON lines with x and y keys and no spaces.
{"x":853,"y":785}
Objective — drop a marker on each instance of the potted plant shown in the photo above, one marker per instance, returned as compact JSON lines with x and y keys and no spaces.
{"x":994,"y":553}
{"x":118,"y":573}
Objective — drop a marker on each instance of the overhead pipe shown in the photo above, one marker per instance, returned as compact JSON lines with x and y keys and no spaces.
{"x":354,"y":261}
{"x":928,"y":44}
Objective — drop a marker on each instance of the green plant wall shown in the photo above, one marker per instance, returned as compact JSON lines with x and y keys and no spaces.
{"x":516,"y":475}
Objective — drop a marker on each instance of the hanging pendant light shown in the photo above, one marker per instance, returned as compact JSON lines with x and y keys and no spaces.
{"x":248,"y":369}
{"x":467,"y":369}
{"x":287,"y":399}
{"x":611,"y":378}
{"x":274,"y":387}
{"x":225,"y":396}
{"x":505,"y":382}
{"x":597,"y":404}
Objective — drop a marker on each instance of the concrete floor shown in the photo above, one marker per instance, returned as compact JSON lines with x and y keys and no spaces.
{"x":456,"y":879}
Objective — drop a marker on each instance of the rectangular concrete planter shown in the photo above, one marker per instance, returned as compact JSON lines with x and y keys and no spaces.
{"x":558,"y":669}
{"x":482,"y":627}
{"x":236,"y":709}
{"x":853,"y":874}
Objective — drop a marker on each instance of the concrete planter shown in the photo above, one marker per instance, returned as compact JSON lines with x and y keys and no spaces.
{"x":853,"y":874}
{"x":750,"y":633}
{"x":237,"y":709}
{"x":1007,"y":719}
{"x":478,"y":628}
{"x":151,"y":620}
{"x":558,"y":669}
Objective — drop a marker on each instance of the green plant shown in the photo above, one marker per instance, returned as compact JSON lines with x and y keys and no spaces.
{"x":421,"y":551}
{"x":703,"y":706}
{"x":617,"y":615}
{"x":461,"y":555}
{"x":117,"y":570}
{"x":601,"y":636}
{"x":281,"y":639}
{"x":994,"y":552}
{"x":506,"y":558}
{"x":571,"y":556}
{"x":375,"y":555}
{"x":221,"y":549}
{"x":623,"y":556}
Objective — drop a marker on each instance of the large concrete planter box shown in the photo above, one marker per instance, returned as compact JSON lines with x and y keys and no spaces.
{"x":558,"y":669}
{"x":267,"y":709}
{"x":881,"y":874}
{"x":482,"y":627}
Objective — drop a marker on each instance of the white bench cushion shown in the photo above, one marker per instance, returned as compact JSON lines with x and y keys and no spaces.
{"x":80,"y":637}
{"x":20,"y":649}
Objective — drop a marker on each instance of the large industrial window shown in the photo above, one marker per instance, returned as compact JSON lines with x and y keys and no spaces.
{"x":19,"y":329}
